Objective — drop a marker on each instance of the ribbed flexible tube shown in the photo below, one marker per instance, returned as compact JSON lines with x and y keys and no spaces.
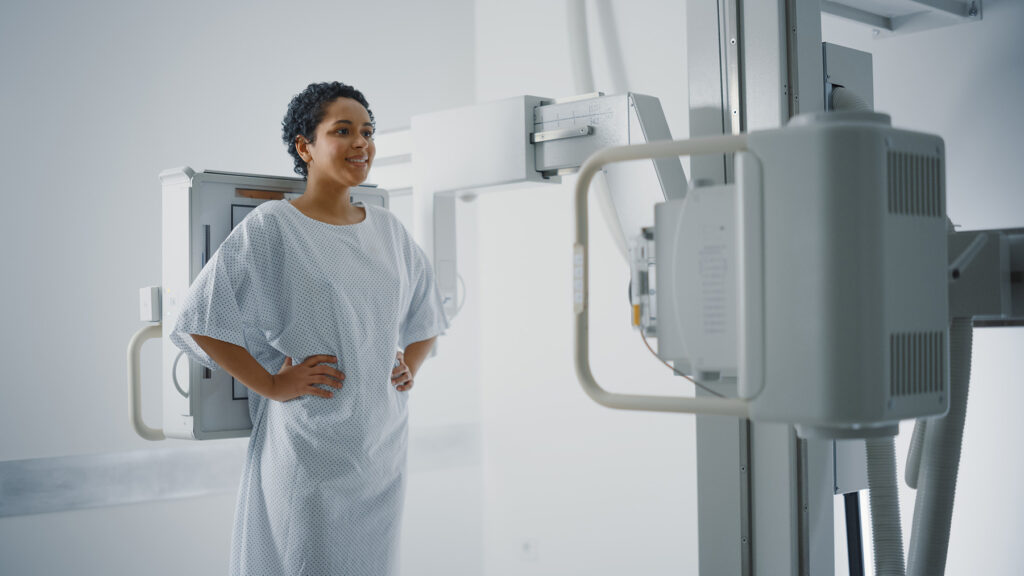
{"x":846,"y":100}
{"x":886,"y":532}
{"x":914,"y":454}
{"x":940,"y":462}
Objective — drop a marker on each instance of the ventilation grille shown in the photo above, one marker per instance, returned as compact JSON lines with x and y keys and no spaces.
{"x":917,"y":363}
{"x":915,"y":185}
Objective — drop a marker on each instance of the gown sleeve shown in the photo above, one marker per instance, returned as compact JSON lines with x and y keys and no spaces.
{"x":425,"y":317}
{"x":223,"y":301}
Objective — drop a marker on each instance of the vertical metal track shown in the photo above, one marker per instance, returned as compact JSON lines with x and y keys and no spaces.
{"x":731,"y":48}
{"x":792,"y":85}
{"x":793,"y":64}
{"x":746,"y":541}
{"x":803,"y":522}
{"x":732,"y":64}
{"x":734,"y":121}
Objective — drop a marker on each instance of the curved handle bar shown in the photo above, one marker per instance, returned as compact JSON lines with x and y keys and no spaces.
{"x":593,"y":164}
{"x":134,"y":381}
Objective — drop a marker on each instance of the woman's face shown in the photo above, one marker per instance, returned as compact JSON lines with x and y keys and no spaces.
{"x":343,"y":148}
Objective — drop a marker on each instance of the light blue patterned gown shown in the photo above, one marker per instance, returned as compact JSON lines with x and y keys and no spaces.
{"x":324,"y":479}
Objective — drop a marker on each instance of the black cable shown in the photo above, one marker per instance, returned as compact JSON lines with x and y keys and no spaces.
{"x":854,"y":545}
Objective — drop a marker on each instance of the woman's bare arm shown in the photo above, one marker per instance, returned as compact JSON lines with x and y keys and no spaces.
{"x":238,"y":362}
{"x":409,"y":363}
{"x":417,"y":352}
{"x":291,"y":382}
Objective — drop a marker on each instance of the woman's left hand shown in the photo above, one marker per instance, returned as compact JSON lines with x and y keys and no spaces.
{"x":401,"y":375}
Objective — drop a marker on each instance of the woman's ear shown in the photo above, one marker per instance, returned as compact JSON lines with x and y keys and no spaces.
{"x":302,"y":147}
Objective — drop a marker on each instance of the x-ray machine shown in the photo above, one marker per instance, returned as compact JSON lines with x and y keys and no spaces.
{"x":805,"y":274}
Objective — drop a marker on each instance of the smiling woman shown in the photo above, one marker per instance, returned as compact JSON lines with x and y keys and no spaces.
{"x":329,"y":133}
{"x":306,"y":303}
{"x":307,"y":111}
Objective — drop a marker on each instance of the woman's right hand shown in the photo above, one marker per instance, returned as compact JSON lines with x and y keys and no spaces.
{"x":294,"y":380}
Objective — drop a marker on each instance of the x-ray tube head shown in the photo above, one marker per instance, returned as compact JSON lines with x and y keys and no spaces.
{"x":819,"y":277}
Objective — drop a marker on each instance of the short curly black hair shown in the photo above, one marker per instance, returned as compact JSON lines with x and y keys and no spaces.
{"x":306,"y":111}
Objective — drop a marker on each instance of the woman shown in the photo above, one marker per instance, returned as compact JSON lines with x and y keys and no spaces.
{"x":306,"y":303}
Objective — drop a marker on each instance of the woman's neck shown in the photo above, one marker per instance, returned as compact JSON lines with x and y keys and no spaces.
{"x":331,"y":205}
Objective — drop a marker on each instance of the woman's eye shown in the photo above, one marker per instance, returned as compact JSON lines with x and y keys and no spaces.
{"x":343,"y":131}
{"x":368,"y":135}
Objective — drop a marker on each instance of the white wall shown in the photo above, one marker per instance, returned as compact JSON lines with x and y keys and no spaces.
{"x":963,"y":83}
{"x":572,"y":487}
{"x":96,"y":98}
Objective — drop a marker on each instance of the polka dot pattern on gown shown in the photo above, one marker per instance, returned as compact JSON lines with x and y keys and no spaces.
{"x":324,"y":481}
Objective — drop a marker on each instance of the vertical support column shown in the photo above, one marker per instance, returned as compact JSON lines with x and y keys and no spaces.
{"x":707,"y":86}
{"x":723,"y":514}
{"x":434,"y":231}
{"x":805,"y":61}
{"x":445,"y":262}
{"x":764,"y":496}
{"x":723,"y":458}
{"x":775,"y":487}
{"x":818,"y":520}
{"x":791,"y":480}
{"x":423,"y":217}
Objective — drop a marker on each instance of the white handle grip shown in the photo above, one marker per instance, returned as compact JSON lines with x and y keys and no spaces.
{"x":593,"y":164}
{"x":134,"y":381}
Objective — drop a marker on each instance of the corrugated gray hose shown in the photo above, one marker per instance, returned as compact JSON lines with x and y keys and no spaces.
{"x":886,"y":532}
{"x":846,"y":100}
{"x":939,"y":453}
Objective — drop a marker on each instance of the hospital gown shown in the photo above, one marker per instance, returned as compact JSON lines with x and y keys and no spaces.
{"x":323,"y":485}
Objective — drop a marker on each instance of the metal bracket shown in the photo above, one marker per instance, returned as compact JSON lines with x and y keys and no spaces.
{"x":561,"y":134}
